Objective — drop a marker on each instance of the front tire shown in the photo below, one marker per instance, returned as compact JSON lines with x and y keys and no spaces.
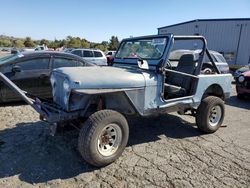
{"x":103,"y":137}
{"x":210,"y":114}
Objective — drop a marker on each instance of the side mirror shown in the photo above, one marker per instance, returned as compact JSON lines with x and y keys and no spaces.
{"x":143,"y":64}
{"x":16,"y":68}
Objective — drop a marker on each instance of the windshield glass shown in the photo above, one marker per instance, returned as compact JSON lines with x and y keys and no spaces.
{"x":8,"y":58}
{"x":220,"y":58}
{"x":152,"y":48}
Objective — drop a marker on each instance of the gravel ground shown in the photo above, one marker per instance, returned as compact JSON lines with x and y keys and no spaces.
{"x":167,"y":151}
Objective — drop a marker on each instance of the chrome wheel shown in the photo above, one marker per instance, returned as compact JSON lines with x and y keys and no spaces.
{"x":215,"y":115}
{"x":109,"y":139}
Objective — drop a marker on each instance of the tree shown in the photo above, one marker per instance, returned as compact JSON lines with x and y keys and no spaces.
{"x":18,"y":43}
{"x":5,"y":43}
{"x":57,"y":43}
{"x":73,"y":42}
{"x":85,"y":43}
{"x":68,"y":38}
{"x":44,"y":42}
{"x":36,"y":42}
{"x":52,"y":44}
{"x":63,"y":43}
{"x":106,"y":45}
{"x":114,"y":42}
{"x":28,"y":42}
{"x":69,"y":42}
{"x":101,"y":47}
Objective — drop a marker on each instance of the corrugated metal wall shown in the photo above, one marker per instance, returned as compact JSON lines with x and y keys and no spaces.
{"x":228,"y":36}
{"x":244,"y":45}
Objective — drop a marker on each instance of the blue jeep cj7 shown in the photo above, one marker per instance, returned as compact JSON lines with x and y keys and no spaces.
{"x":140,"y":82}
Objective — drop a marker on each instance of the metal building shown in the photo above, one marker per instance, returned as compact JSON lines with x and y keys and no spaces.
{"x":231,"y":37}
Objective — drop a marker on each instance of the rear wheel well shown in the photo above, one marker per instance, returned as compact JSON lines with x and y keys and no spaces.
{"x":214,"y":90}
{"x":207,"y":65}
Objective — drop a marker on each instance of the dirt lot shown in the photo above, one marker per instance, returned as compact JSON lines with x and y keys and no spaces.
{"x":167,"y":151}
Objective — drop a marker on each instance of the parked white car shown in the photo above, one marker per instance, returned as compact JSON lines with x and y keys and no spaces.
{"x":37,"y":48}
{"x":91,"y":55}
{"x":41,"y":48}
{"x":112,"y":53}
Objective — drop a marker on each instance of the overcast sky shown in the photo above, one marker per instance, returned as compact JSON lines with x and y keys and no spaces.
{"x":98,"y":20}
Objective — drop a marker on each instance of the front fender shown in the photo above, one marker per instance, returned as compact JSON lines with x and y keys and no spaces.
{"x":128,"y":102}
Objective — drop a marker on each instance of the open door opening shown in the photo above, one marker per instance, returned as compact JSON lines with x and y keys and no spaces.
{"x":183,"y":67}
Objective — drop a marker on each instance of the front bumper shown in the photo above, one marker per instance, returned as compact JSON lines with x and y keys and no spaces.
{"x":49,"y":111}
{"x":242,"y":90}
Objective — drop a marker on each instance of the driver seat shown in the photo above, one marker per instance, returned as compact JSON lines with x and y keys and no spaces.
{"x":179,"y":85}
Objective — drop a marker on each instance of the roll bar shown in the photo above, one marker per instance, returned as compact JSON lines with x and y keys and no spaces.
{"x":204,"y":50}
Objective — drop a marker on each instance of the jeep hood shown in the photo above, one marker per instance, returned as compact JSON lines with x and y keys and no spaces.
{"x":105,"y":77}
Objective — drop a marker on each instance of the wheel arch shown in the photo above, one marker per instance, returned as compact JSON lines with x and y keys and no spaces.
{"x":118,"y":101}
{"x":207,"y":65}
{"x":126,"y":101}
{"x":214,"y":90}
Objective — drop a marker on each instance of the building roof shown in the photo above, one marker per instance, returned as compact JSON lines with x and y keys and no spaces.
{"x":205,"y":20}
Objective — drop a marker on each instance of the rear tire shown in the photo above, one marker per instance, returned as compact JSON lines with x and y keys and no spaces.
{"x":103,"y":137}
{"x":210,"y":114}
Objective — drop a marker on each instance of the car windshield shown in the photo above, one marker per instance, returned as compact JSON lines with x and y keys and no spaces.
{"x":152,"y":48}
{"x":220,"y":58}
{"x":9,"y":58}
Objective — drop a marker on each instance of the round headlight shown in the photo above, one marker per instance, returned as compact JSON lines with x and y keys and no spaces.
{"x":241,"y":79}
{"x":66,"y":85}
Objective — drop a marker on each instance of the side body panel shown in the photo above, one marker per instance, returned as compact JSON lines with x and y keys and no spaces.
{"x":223,"y":80}
{"x":154,"y":103}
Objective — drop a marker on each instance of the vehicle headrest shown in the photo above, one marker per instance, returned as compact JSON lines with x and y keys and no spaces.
{"x":187,"y":59}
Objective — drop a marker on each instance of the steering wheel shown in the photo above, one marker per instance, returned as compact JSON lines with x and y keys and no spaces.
{"x":168,"y":65}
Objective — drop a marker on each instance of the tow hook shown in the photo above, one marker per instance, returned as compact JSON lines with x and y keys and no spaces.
{"x":52,"y":128}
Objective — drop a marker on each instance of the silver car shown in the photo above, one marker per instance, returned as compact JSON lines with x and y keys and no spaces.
{"x":207,"y":67}
{"x":91,"y":55}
